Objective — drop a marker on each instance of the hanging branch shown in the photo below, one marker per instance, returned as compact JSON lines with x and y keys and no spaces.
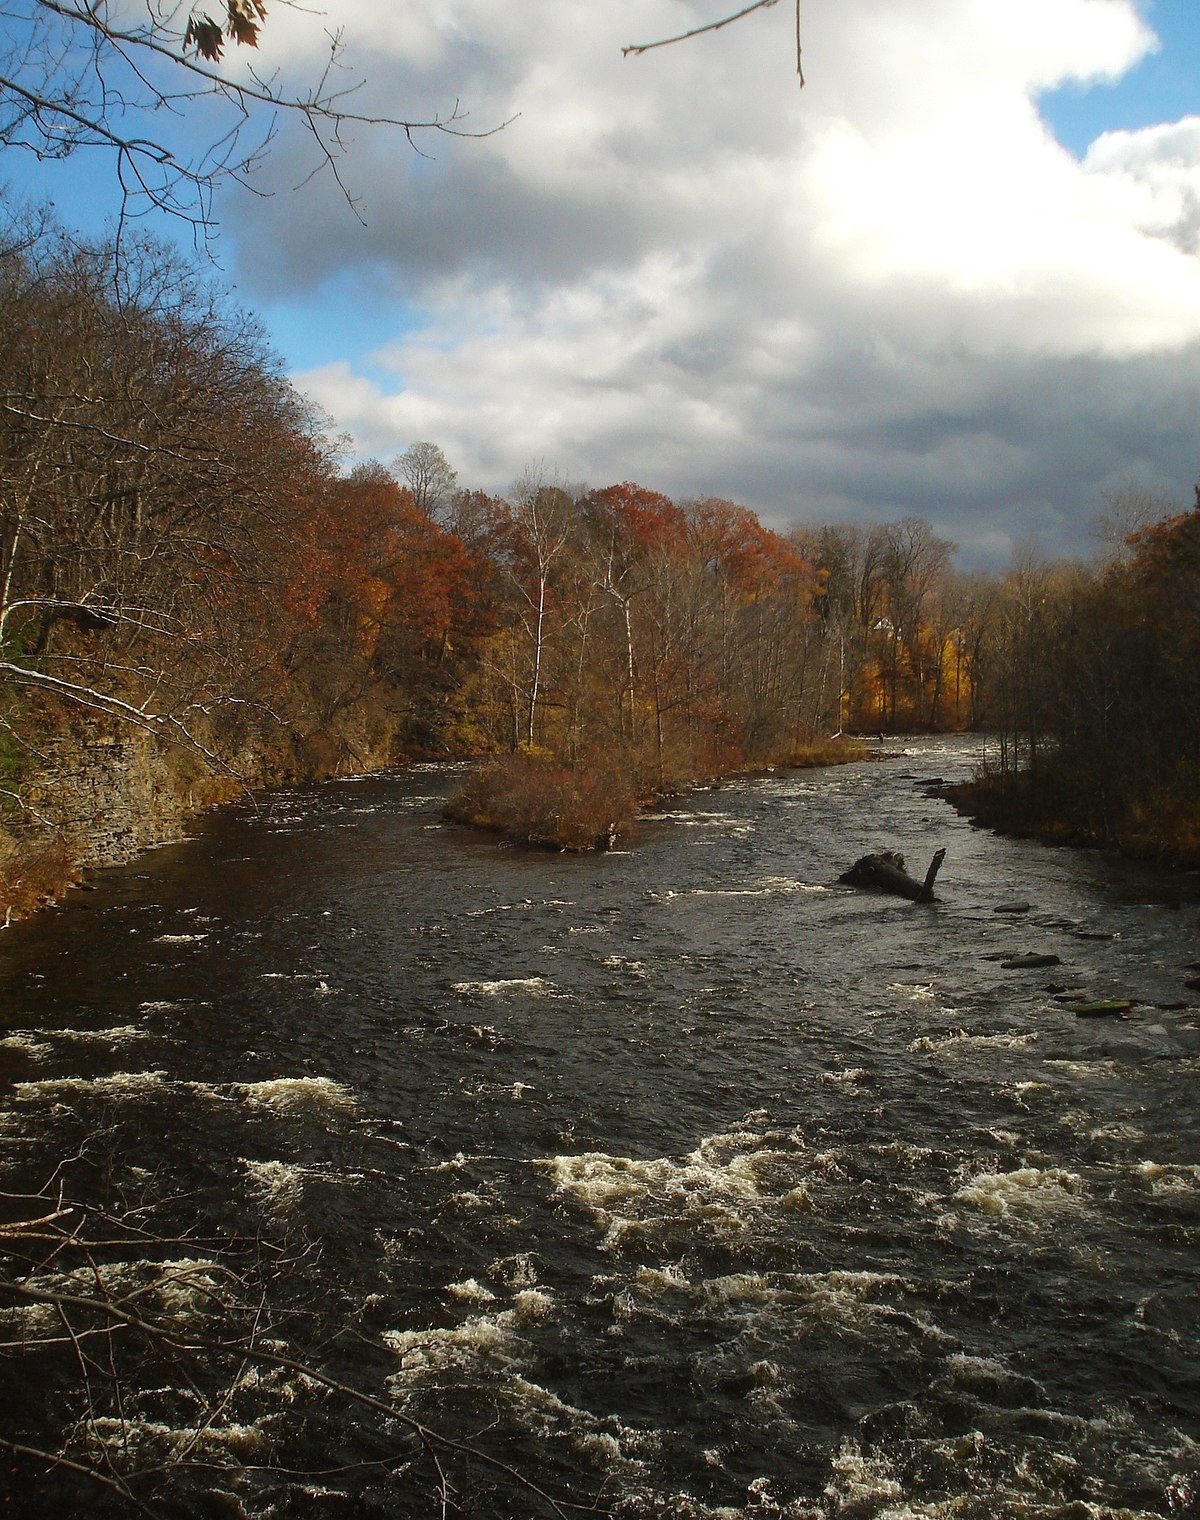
{"x":89,"y":74}
{"x":637,"y":48}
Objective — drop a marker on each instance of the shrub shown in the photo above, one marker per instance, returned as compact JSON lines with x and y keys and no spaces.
{"x":536,"y":800}
{"x":33,"y":872}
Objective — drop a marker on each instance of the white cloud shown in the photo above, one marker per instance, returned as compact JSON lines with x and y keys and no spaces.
{"x":871,"y":295}
{"x":1154,"y":176}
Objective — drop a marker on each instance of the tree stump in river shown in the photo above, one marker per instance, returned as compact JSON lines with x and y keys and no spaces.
{"x":885,"y":872}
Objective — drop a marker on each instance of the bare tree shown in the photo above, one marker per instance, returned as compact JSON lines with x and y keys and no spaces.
{"x":427,"y":473}
{"x":148,"y":451}
{"x":151,"y":85}
{"x":1127,"y":511}
{"x":542,"y":516}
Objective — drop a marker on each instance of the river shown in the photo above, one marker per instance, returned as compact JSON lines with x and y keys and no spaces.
{"x":681,"y":1180}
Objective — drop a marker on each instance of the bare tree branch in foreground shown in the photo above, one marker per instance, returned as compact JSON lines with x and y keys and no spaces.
{"x":157,"y":93}
{"x":102,"y":1293}
{"x":637,"y":48}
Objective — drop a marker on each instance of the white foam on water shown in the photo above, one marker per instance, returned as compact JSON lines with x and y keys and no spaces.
{"x":720,"y":1190}
{"x":742,"y":1288}
{"x":1023,"y":1090}
{"x":472,"y":1291}
{"x":631,"y":1197}
{"x":532,"y":986}
{"x":278,"y":1185}
{"x":789,"y":884}
{"x":519,"y":1271}
{"x":120,"y":1084}
{"x":599,"y":1447}
{"x":456,"y":1163}
{"x":1121,"y":1131}
{"x":469,"y":1200}
{"x":180,"y":939}
{"x":860,"y":1481}
{"x":187,"y":1287}
{"x":903,"y":1150}
{"x":117,"y":1034}
{"x":960,"y":1040}
{"x":142,"y":1437}
{"x":284,"y":1384}
{"x":696,"y":819}
{"x":21,"y":1322}
{"x":765,"y":1305}
{"x":494,"y":1339}
{"x":1029,"y":1189}
{"x":292,"y":1095}
{"x":850,"y":1076}
{"x":521,"y":907}
{"x":28,"y":1044}
{"x":632,"y":968}
{"x":915,"y":992}
{"x":496,"y":1345}
{"x":34,"y":1043}
{"x":1168,"y":1181}
{"x":1097,"y":1070}
{"x":1081,"y":1122}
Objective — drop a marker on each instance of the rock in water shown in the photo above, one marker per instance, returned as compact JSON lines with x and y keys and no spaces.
{"x":884,"y":872}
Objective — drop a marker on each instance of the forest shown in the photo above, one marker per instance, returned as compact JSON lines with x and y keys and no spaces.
{"x":188,"y":570}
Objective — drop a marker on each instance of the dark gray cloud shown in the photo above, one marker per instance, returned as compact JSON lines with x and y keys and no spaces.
{"x":891,"y":293}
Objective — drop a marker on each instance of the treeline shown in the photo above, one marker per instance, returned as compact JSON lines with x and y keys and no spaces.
{"x":183,"y":558}
{"x":1094,"y":692}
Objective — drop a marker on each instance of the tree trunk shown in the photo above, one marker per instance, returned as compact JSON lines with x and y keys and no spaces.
{"x":885,"y":872}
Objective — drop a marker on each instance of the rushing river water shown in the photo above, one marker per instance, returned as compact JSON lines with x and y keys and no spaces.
{"x":681,"y":1179}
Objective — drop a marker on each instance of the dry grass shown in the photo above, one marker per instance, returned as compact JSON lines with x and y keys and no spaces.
{"x":820,"y":752}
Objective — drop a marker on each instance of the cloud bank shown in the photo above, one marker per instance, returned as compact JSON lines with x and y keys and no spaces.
{"x":891,"y":291}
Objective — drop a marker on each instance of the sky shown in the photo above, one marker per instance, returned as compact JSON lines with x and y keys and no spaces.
{"x":956,"y":275}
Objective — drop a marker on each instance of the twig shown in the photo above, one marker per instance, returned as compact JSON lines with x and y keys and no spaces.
{"x":637,"y":48}
{"x":431,"y":1440}
{"x":57,"y":1459}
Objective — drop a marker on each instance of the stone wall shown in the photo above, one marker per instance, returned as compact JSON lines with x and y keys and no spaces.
{"x":111,"y":797}
{"x":100,"y":799}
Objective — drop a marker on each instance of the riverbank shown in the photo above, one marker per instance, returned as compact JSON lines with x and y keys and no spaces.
{"x":102,"y":798}
{"x":1165,"y":831}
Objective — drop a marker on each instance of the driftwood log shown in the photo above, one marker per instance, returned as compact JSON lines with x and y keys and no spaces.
{"x":885,"y":872}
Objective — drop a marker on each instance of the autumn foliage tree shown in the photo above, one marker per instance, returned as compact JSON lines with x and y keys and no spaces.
{"x":180,"y":556}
